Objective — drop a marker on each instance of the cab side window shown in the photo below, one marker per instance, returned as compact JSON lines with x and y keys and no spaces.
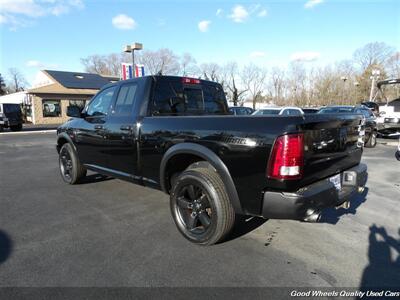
{"x":125,"y":100}
{"x":99,"y":106}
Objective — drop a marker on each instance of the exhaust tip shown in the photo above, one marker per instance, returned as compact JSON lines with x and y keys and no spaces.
{"x":312,"y":216}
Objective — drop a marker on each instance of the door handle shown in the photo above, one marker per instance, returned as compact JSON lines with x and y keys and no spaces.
{"x":126,"y":127}
{"x":98,"y":127}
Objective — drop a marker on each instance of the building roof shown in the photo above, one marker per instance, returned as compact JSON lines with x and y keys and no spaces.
{"x":77,"y":80}
{"x":57,"y":88}
{"x":71,"y":83}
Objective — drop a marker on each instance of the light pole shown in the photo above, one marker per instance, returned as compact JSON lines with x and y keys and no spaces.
{"x":356,"y":85}
{"x":131,"y":49}
{"x":344,"y":78}
{"x":374,"y":77}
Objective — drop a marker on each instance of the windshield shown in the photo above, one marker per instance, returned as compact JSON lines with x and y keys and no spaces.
{"x":335,"y":110}
{"x":267,"y":112}
{"x":11,"y":108}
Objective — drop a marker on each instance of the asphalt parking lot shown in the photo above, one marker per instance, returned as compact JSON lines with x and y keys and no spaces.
{"x":106,"y":232}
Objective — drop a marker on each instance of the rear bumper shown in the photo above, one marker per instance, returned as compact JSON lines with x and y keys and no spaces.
{"x":315,"y":197}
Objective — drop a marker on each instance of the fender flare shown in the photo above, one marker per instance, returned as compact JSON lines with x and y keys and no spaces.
{"x":64,"y":135}
{"x":210,"y":157}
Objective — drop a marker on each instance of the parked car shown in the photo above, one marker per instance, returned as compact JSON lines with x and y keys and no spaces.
{"x":389,"y":113}
{"x":371,"y":130}
{"x":282,"y":111}
{"x":373,"y":106}
{"x":398,"y":151}
{"x":10,"y":116}
{"x":241,"y":110}
{"x":310,"y":110}
{"x":177,"y":135}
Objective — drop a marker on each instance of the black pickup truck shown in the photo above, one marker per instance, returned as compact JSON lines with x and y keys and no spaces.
{"x":176,"y":134}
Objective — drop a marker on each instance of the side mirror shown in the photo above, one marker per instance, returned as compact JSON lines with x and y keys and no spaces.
{"x":74,"y":111}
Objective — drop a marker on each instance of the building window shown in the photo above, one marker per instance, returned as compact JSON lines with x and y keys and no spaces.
{"x":51,"y":108}
{"x":80,"y":103}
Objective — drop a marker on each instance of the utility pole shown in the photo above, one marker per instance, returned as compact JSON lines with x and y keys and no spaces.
{"x":374,"y":77}
{"x":344,"y":78}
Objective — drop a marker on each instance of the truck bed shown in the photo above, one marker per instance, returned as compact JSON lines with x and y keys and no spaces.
{"x":244,"y":144}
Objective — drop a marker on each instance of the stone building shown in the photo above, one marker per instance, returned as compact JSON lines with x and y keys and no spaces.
{"x":53,"y":91}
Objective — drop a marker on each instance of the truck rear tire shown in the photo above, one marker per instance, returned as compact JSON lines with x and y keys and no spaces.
{"x":70,"y":168}
{"x":200,"y":206}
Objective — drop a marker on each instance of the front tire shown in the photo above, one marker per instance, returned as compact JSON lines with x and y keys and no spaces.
{"x":70,"y":168}
{"x":200,"y":206}
{"x":371,"y":143}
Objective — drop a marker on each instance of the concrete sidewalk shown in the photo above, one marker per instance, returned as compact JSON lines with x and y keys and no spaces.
{"x":32,"y":128}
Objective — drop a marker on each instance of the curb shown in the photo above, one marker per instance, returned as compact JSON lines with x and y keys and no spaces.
{"x":28,"y":132}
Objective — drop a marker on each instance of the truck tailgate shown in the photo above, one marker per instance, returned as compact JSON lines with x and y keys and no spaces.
{"x":331,"y":145}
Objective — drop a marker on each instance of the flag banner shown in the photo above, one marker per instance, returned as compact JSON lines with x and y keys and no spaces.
{"x":126,"y":71}
{"x":139,"y":70}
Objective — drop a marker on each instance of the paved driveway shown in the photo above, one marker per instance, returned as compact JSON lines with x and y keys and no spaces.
{"x":106,"y":232}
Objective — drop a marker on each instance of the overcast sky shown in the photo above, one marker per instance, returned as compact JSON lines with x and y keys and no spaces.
{"x":55,"y":34}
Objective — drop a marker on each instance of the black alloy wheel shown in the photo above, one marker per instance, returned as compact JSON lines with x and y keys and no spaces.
{"x":66,"y":166}
{"x":70,"y":168}
{"x":193,"y":208}
{"x":200,"y":206}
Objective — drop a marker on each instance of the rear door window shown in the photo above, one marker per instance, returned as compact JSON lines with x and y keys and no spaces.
{"x":125,"y":100}
{"x":172,"y":97}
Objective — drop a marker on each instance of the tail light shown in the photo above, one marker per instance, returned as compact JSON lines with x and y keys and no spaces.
{"x":287,"y":157}
{"x":187,"y":80}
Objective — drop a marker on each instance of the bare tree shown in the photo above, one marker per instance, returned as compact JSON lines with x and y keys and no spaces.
{"x":376,"y":53}
{"x":277,"y":83}
{"x":17,"y":81}
{"x":231,"y":83}
{"x":393,"y":65}
{"x":297,"y":84}
{"x":163,"y":61}
{"x":210,"y":71}
{"x":188,"y":65}
{"x":104,"y":64}
{"x":3,"y":89}
{"x":253,"y":78}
